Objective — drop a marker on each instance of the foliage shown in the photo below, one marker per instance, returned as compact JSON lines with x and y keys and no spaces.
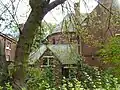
{"x":92,"y":78}
{"x":40,"y":80}
{"x":1,"y":88}
{"x":107,"y":84}
{"x":7,"y":87}
{"x":115,"y":21}
{"x":97,"y":26}
{"x":111,"y":54}
{"x":43,"y":30}
{"x":89,"y":78}
{"x":103,"y":81}
{"x":24,"y":45}
{"x":3,"y":65}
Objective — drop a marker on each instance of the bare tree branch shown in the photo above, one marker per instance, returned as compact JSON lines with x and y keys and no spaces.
{"x":103,"y":6}
{"x":13,"y":17}
{"x":109,"y":21}
{"x":53,"y":4}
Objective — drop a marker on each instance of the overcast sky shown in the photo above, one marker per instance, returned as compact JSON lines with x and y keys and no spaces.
{"x":56,"y":15}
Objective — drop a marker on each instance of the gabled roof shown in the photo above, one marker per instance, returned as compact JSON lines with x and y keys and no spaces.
{"x":34,"y":56}
{"x":66,"y":53}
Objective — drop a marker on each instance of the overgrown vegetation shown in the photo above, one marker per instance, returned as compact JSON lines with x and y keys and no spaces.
{"x":31,"y":36}
{"x":110,"y":54}
{"x":88,"y":78}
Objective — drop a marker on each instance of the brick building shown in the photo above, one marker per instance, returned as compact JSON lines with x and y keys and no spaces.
{"x":62,"y":47}
{"x":9,"y":45}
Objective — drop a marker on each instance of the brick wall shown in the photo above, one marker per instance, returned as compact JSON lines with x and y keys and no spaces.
{"x":9,"y":46}
{"x":62,"y":38}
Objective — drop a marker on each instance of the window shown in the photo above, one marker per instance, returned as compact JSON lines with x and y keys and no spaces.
{"x":8,"y":46}
{"x":69,"y":71}
{"x":45,"y":61}
{"x":117,"y":34}
{"x":8,"y":58}
{"x":48,"y":61}
{"x":93,"y":58}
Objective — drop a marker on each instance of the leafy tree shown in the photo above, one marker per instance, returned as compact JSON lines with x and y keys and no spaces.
{"x":27,"y":36}
{"x":110,"y":54}
{"x":39,"y":9}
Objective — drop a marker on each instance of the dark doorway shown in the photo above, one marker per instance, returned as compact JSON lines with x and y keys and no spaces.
{"x":65,"y":72}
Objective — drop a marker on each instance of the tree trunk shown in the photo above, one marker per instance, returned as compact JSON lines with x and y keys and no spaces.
{"x":39,"y":9}
{"x":24,"y":46}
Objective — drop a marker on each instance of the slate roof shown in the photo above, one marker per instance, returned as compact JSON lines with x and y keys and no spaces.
{"x":34,"y":56}
{"x":66,"y":53}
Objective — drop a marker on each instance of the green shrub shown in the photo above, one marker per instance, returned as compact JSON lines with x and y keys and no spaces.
{"x":110,"y":54}
{"x":6,"y":87}
{"x":92,"y":80}
{"x":40,"y":80}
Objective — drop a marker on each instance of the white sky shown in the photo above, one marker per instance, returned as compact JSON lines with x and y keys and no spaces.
{"x":56,"y":15}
